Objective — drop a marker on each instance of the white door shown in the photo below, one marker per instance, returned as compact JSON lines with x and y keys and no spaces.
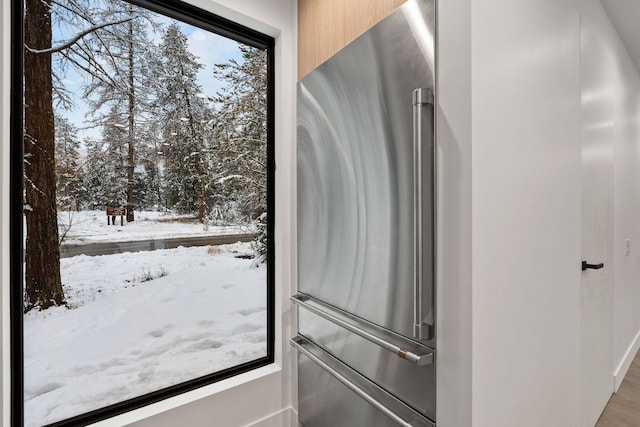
{"x":597,"y":132}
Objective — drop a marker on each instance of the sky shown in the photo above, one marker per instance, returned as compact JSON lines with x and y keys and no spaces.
{"x":208,"y":47}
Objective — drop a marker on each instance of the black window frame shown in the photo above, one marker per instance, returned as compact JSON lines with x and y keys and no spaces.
{"x":199,"y":18}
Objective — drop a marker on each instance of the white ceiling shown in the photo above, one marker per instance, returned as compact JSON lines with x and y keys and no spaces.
{"x":625,"y":15}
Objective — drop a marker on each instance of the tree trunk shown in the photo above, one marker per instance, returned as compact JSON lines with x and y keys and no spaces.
{"x":200,"y":193}
{"x":42,"y":256}
{"x":131,"y":138}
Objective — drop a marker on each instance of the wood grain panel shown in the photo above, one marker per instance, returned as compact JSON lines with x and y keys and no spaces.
{"x":326,"y":26}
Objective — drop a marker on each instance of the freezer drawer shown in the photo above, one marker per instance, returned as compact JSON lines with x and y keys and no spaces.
{"x":402,"y":367}
{"x":332,"y":394}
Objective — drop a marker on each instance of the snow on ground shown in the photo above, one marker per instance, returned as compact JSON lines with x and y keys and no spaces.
{"x":91,"y":226}
{"x":139,"y":322}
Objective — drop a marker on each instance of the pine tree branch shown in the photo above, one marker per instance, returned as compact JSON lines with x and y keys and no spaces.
{"x":77,"y":37}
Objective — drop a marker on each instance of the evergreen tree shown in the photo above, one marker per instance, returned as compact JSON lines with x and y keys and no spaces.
{"x":182,"y":113}
{"x":68,"y":168}
{"x":241,"y":132}
{"x":93,"y":178}
{"x":148,"y":173}
{"x":105,"y":171}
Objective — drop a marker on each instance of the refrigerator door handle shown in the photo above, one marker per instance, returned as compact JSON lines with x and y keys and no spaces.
{"x":325,"y":312}
{"x":421,"y":96}
{"x":299,"y":344}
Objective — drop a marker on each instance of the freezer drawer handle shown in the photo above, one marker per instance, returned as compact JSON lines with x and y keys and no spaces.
{"x":420,"y":360}
{"x":422,"y":96}
{"x":591,"y":266}
{"x":297,"y":343}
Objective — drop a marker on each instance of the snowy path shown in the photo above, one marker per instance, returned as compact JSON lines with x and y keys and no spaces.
{"x":109,"y":248}
{"x":91,"y":226}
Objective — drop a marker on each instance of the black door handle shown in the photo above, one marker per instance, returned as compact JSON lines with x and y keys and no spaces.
{"x":592,"y":266}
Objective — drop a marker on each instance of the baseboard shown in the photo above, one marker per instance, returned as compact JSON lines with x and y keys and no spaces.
{"x":286,"y":417}
{"x":625,"y":363}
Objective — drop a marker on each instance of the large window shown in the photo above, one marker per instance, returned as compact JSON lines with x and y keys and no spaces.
{"x":142,"y":205}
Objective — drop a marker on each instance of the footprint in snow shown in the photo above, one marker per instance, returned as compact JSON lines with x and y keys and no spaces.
{"x":245,"y":327}
{"x":205,"y":323}
{"x":255,"y":338}
{"x":206,"y":344}
{"x":160,"y":332}
{"x":146,"y":375}
{"x":249,"y":311}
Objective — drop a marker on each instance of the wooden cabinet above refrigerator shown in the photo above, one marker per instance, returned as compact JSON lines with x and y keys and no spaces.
{"x":326,"y":26}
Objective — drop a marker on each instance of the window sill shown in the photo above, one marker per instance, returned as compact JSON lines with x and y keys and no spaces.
{"x":246,"y":384}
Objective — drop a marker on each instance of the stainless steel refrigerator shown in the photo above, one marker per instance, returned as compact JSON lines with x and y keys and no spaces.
{"x":366,"y":229}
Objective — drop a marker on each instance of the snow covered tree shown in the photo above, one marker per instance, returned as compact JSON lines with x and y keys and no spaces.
{"x":96,"y":194}
{"x":116,"y":62}
{"x":147,"y":185}
{"x":105,"y":171}
{"x":241,"y":132}
{"x":68,"y":168}
{"x":147,"y":188}
{"x":43,"y":286}
{"x":182,"y":113}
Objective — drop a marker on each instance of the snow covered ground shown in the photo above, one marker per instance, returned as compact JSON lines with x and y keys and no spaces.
{"x":141,"y":321}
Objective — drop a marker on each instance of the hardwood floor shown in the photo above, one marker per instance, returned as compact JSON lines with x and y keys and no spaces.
{"x":623,"y":409}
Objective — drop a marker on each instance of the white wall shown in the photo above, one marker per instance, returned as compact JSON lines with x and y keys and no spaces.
{"x":624,"y":82}
{"x":526,"y":212}
{"x":253,"y":396}
{"x":526,"y":208}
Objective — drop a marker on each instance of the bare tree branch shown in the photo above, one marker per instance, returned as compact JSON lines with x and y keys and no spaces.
{"x":77,"y":11}
{"x":78,"y":36}
{"x":82,"y":67}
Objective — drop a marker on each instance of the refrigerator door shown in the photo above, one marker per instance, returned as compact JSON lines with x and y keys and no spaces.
{"x":357,"y":184}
